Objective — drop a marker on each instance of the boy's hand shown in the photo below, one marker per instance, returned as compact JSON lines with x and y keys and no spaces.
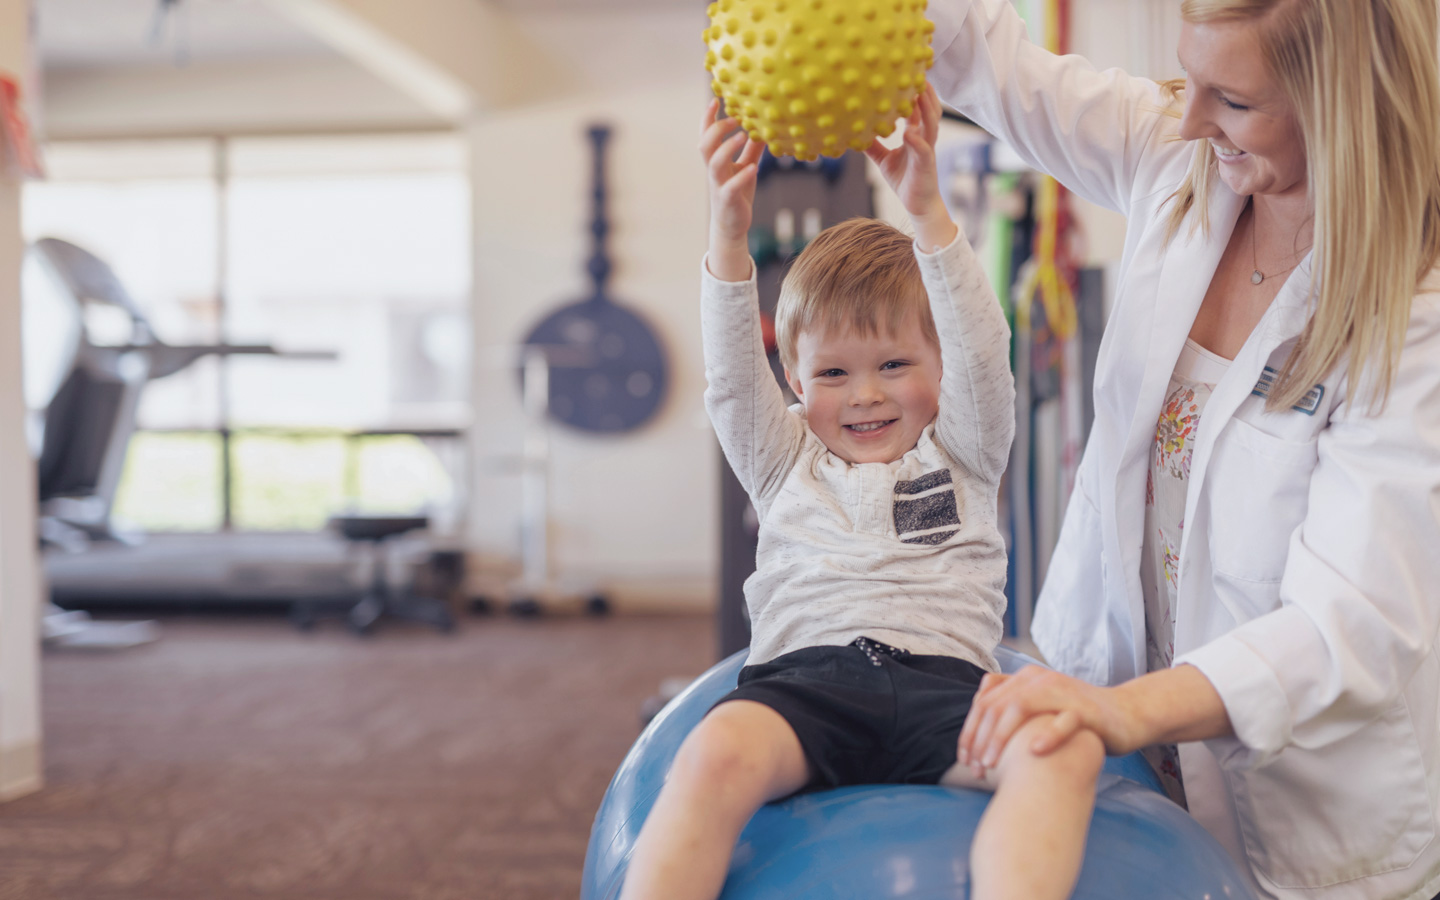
{"x":910,"y":171}
{"x":732,"y":167}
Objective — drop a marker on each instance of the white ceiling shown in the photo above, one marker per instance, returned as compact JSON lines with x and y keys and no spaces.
{"x":88,"y":34}
{"x":75,"y":34}
{"x":241,"y":67}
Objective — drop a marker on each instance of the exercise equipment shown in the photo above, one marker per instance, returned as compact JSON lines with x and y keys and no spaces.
{"x":378,"y":536}
{"x":764,"y":246}
{"x":88,"y":421}
{"x":831,"y":168}
{"x":608,"y":370}
{"x":880,"y":841}
{"x":89,"y":390}
{"x":767,"y":334}
{"x":813,"y":78}
{"x":90,"y":418}
{"x":539,"y":589}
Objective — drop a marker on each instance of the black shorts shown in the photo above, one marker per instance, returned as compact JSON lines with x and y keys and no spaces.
{"x":867,"y":713}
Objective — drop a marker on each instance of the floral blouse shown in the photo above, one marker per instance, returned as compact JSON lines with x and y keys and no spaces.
{"x":1195,"y":376}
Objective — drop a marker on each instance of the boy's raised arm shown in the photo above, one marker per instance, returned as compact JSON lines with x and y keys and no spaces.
{"x":977,"y":390}
{"x":747,"y":408}
{"x":732,"y":182}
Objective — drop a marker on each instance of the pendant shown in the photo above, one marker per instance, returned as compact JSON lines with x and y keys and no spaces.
{"x":1256,"y":277}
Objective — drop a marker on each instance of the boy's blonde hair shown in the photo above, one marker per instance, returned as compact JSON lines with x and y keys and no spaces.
{"x":861,"y":276}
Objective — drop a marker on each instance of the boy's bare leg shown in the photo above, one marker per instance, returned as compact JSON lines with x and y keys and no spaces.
{"x":741,"y":755}
{"x":1031,"y":841}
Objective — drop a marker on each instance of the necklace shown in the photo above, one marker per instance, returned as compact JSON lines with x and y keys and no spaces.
{"x":1257,"y":276}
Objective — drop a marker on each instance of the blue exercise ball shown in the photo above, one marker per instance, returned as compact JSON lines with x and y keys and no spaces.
{"x":881,"y":841}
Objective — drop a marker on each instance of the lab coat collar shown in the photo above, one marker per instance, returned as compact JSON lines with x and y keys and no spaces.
{"x":1185,"y":275}
{"x":1186,"y":270}
{"x":1278,"y":328}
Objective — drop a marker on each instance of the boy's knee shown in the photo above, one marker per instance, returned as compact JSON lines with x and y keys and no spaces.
{"x":724,"y":747}
{"x":1078,"y":760}
{"x":1083,"y":754}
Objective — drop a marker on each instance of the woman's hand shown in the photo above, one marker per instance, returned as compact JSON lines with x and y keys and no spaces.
{"x":1005,"y":702}
{"x":1176,"y":704}
{"x":732,"y":169}
{"x":910,"y":171}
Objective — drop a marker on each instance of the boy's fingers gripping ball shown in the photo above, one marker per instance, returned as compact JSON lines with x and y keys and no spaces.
{"x":818,"y":77}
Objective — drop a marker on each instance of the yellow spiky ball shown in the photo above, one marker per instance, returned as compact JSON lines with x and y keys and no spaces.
{"x":816,"y":77}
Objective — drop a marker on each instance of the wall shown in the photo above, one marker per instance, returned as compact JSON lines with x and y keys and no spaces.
{"x":20,"y":594}
{"x":637,"y":513}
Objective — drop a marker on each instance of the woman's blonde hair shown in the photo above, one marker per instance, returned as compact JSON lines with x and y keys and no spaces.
{"x":860,"y":275}
{"x":1362,"y":78}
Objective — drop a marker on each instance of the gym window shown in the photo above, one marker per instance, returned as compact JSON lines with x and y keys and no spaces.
{"x":355,"y":244}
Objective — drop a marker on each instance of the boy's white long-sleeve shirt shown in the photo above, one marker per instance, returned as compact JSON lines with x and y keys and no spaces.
{"x":906,"y":552}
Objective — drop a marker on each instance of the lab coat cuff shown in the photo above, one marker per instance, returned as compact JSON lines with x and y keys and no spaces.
{"x":1254,"y":699}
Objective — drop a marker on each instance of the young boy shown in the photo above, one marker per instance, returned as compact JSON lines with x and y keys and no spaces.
{"x":877,"y":600}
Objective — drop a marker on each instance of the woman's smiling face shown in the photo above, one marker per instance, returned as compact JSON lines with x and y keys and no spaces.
{"x":1231,"y":100}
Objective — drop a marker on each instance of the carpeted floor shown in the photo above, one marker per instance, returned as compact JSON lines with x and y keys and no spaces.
{"x":239,"y":759}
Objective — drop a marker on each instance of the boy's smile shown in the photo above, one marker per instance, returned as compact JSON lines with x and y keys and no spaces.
{"x":867,"y":397}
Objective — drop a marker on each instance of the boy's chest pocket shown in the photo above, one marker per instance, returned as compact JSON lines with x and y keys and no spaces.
{"x":926,"y":510}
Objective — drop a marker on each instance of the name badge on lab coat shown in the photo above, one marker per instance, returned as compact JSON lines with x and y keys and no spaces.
{"x":1308,"y":404}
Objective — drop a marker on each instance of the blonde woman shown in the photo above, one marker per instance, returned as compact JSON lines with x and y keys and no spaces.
{"x":1247,"y":582}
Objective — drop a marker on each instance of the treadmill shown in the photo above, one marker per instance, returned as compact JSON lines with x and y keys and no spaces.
{"x":82,"y":438}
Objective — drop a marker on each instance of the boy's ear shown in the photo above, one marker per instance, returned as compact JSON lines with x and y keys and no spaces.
{"x":794,"y":383}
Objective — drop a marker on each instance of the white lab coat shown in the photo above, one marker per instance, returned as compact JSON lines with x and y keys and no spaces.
{"x":1309,"y":589}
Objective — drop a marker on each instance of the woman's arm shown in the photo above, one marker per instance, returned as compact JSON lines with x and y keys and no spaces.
{"x":1358,"y":618}
{"x":1178,"y":704}
{"x":1102,"y":134}
{"x":1359,"y":609}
